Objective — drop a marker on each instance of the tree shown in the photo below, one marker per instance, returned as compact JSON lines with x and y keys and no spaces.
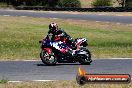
{"x":52,"y":3}
{"x":128,"y":3}
{"x":121,"y":2}
{"x":46,"y":3}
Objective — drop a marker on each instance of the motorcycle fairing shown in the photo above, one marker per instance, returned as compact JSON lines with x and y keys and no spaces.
{"x":60,"y":46}
{"x":48,"y":50}
{"x":80,"y":40}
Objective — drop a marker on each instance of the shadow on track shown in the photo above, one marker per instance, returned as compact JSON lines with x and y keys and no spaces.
{"x":60,"y":64}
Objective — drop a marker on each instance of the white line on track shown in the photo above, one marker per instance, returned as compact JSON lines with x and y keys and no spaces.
{"x":23,"y":16}
{"x":98,"y":21}
{"x":53,"y":18}
{"x":111,"y":58}
{"x":14,"y":81}
{"x":93,"y":59}
{"x":118,"y":23}
{"x":119,"y":15}
{"x":119,"y":58}
{"x":32,"y":81}
{"x":100,"y":14}
{"x":107,"y":22}
{"x":6,"y":15}
{"x":43,"y":80}
{"x":31,"y":60}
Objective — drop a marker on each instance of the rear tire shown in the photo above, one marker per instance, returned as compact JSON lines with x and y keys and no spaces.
{"x":85,"y":59}
{"x":48,"y":59}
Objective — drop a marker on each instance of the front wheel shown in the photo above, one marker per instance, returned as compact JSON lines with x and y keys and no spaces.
{"x":85,"y":58}
{"x":48,"y":59}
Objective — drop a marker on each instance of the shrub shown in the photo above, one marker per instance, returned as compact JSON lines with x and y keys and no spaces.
{"x":52,"y":3}
{"x":128,"y":3}
{"x":46,"y":3}
{"x":97,"y":3}
{"x":69,"y":3}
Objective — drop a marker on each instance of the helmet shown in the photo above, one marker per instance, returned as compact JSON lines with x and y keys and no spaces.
{"x":53,"y":27}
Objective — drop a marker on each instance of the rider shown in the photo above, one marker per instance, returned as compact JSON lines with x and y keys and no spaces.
{"x":55,"y":31}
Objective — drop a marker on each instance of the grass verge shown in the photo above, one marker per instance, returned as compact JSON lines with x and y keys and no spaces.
{"x":3,"y":81}
{"x":19,"y":37}
{"x":61,"y":84}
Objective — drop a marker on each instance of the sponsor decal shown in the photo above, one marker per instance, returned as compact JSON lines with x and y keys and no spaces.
{"x":82,"y":77}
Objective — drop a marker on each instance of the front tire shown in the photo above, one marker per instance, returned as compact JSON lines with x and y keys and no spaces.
{"x":48,"y":59}
{"x":85,"y":59}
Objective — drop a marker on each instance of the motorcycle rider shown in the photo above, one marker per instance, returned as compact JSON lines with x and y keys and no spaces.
{"x":55,"y":31}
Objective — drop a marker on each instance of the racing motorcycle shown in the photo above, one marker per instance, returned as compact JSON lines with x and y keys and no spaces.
{"x":57,"y":51}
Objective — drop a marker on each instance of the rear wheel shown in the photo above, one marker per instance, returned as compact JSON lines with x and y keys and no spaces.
{"x":85,"y":59}
{"x":48,"y":59}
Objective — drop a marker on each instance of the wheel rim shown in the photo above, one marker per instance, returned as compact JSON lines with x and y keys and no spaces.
{"x":86,"y":58}
{"x":48,"y":58}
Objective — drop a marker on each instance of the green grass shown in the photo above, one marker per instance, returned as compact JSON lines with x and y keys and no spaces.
{"x":109,"y":43}
{"x":3,"y":81}
{"x":19,"y":37}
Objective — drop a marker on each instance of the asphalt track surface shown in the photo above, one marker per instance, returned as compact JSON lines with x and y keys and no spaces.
{"x":92,"y":17}
{"x":36,"y":70}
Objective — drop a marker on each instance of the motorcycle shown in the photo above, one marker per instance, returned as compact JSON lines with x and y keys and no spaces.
{"x":58,"y":51}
